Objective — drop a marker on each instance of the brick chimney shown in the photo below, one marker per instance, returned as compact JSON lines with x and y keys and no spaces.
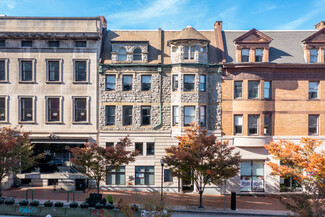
{"x":320,"y":25}
{"x":219,"y":41}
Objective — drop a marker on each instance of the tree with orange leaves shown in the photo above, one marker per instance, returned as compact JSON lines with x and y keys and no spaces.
{"x":15,"y":151}
{"x":202,"y":159}
{"x":304,"y":162}
{"x":96,"y":162}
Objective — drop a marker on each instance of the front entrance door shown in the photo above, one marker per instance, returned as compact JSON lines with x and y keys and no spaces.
{"x":80,"y":184}
{"x":187,"y":185}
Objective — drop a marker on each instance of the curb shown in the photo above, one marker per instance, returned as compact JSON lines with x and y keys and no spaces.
{"x":230,"y":213}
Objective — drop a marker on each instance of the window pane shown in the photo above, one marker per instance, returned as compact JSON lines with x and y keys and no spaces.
{"x":110,"y":82}
{"x":258,"y":168}
{"x":80,"y":109}
{"x":253,"y":89}
{"x":137,"y":54}
{"x":26,"y":43}
{"x":189,"y":82}
{"x":238,"y":89}
{"x":202,"y":116}
{"x":238,"y":119}
{"x":267,"y":124}
{"x":189,"y":115}
{"x":150,"y":148}
{"x":53,"y":109}
{"x":26,"y":109}
{"x":81,"y":74}
{"x":167,"y":176}
{"x":145,"y":82}
{"x":2,"y":70}
{"x":245,"y":168}
{"x":175,"y":115}
{"x":259,"y":55}
{"x":186,"y":52}
{"x":2,"y":109}
{"x":144,"y":175}
{"x":245,"y":55}
{"x":252,"y":124}
{"x":54,"y":43}
{"x":27,"y":71}
{"x":313,"y":124}
{"x":54,"y":70}
{"x":81,"y":43}
{"x":267,"y":89}
{"x":2,"y":43}
{"x":145,"y":112}
{"x":121,"y":54}
{"x":127,"y":82}
{"x":202,"y":83}
{"x":110,"y":115}
{"x":313,"y":90}
{"x":175,"y":82}
{"x":139,"y":147}
{"x":127,"y":115}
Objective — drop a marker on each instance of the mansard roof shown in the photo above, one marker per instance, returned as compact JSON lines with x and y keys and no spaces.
{"x":189,"y":33}
{"x":286,"y":46}
{"x":253,"y":37}
{"x":316,"y":38}
{"x":129,"y":37}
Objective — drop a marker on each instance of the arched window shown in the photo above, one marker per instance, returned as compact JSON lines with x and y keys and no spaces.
{"x":121,"y":54}
{"x":137,"y":54}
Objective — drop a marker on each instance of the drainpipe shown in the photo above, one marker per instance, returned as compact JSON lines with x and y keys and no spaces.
{"x":160,"y":99}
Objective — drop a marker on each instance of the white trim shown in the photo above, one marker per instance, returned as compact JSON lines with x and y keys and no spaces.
{"x":20,"y":60}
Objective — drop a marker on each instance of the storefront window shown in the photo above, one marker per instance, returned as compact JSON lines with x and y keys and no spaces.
{"x":252,"y":176}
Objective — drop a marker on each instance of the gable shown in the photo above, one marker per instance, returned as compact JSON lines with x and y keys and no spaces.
{"x":318,"y":37}
{"x":253,"y":37}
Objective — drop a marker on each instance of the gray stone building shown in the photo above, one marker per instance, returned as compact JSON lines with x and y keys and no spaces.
{"x":48,"y":84}
{"x":152,"y":84}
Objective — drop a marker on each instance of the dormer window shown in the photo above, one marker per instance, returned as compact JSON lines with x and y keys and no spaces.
{"x":259,"y":55}
{"x":137,"y":54}
{"x":245,"y":55}
{"x":174,"y":49}
{"x":189,"y":52}
{"x":121,"y":54}
{"x":203,"y":49}
{"x":313,"y":55}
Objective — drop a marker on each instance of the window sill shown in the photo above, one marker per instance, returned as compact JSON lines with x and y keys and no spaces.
{"x":112,"y":91}
{"x":316,"y":99}
{"x":146,"y":91}
{"x":4,"y":122}
{"x":239,"y":98}
{"x":53,"y":82}
{"x":110,"y":126}
{"x":80,"y":122}
{"x":26,"y":122}
{"x":80,"y":82}
{"x":4,"y":81}
{"x":53,"y":122}
{"x":26,"y":82}
{"x":127,"y":126}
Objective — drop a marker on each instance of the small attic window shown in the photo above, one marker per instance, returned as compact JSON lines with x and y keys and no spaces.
{"x":313,"y":55}
{"x":121,"y":54}
{"x":245,"y":55}
{"x":137,"y":54}
{"x":203,"y":49}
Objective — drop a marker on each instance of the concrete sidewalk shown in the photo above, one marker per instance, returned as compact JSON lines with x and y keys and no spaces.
{"x":214,"y":204}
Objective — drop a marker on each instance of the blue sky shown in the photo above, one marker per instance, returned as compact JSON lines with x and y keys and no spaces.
{"x":177,"y":14}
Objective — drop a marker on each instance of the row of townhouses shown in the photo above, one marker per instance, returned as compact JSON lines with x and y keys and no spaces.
{"x":70,"y":80}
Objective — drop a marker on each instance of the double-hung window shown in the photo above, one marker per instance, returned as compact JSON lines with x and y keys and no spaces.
{"x":189,"y":115}
{"x":3,"y":110}
{"x":313,"y":55}
{"x":110,"y":82}
{"x":267,"y":124}
{"x":253,"y":124}
{"x":137,"y":54}
{"x":313,"y":89}
{"x":145,"y":115}
{"x":202,"y":116}
{"x":167,"y":176}
{"x":238,"y":89}
{"x":121,"y":54}
{"x":189,"y":82}
{"x":81,"y":44}
{"x":144,"y":175}
{"x":80,"y":109}
{"x":150,"y":148}
{"x":238,"y":124}
{"x":139,"y":148}
{"x":253,"y":89}
{"x":267,"y":89}
{"x":2,"y":70}
{"x":202,"y":83}
{"x":53,"y":109}
{"x":127,"y":115}
{"x":26,"y":69}
{"x":145,"y":82}
{"x":245,"y":55}
{"x":80,"y":71}
{"x":53,"y":70}
{"x":127,"y":82}
{"x":26,"y":109}
{"x":110,"y":115}
{"x":116,"y":176}
{"x":313,"y":125}
{"x":175,"y":115}
{"x":252,"y":176}
{"x":258,"y":55}
{"x":175,"y":82}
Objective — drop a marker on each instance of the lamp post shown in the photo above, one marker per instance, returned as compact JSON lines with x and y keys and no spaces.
{"x":162,"y":178}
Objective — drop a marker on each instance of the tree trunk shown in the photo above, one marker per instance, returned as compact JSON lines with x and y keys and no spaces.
{"x":201,"y":194}
{"x":98,"y":183}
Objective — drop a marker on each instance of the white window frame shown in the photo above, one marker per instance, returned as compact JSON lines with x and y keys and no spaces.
{"x":6,"y":70}
{"x":33,"y":107}
{"x":87,"y":71}
{"x":175,"y":117}
{"x":6,"y":120}
{"x":87,"y":108}
{"x":194,"y":117}
{"x":48,"y":70}
{"x":242,"y":118}
{"x":21,"y":71}
{"x":46,"y":110}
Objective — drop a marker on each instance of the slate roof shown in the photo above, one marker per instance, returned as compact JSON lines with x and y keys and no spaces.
{"x":286,"y":46}
{"x":189,"y":33}
{"x":129,"y":36}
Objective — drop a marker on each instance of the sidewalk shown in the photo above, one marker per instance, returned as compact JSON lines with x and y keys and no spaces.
{"x":179,"y":202}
